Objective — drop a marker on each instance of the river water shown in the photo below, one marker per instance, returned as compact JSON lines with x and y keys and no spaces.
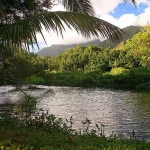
{"x":120,"y":111}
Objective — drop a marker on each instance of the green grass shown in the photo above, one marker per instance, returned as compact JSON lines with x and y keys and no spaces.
{"x":46,"y":132}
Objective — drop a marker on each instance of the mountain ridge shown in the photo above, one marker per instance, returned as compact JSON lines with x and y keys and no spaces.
{"x":56,"y":49}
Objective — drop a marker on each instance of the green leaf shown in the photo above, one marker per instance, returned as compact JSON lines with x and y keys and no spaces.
{"x":82,"y":6}
{"x":24,"y":32}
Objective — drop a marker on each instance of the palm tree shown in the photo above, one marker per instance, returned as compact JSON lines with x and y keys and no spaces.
{"x":22,"y":31}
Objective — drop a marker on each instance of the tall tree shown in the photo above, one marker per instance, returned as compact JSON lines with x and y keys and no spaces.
{"x":21,"y":20}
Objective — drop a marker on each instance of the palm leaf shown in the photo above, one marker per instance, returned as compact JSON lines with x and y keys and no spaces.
{"x":82,"y":6}
{"x":24,"y":32}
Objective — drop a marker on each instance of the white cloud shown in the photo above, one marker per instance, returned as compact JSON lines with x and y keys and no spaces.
{"x":130,"y":19}
{"x":144,"y":18}
{"x":73,"y":38}
{"x":124,"y":21}
{"x":102,"y":8}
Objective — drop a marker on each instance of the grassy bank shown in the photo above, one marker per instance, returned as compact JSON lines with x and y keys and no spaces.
{"x":46,"y":132}
{"x":19,"y":130}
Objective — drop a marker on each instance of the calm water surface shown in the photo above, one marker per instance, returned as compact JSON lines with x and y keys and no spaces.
{"x":120,"y":111}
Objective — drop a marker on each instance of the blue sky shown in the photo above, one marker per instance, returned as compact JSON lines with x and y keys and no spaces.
{"x":123,"y":8}
{"x":115,"y":12}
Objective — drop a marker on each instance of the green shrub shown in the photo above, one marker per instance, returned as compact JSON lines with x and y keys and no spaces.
{"x":34,"y":80}
{"x":90,"y":79}
{"x":107,"y":80}
{"x":26,"y":104}
{"x":73,"y":78}
{"x":144,"y":86}
{"x":138,"y":76}
{"x":118,"y":71}
{"x":117,"y":78}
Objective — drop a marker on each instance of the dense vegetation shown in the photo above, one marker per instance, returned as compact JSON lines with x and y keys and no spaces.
{"x":91,"y":66}
{"x":126,"y":66}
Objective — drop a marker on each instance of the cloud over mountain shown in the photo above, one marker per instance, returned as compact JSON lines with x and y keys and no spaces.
{"x":107,"y":11}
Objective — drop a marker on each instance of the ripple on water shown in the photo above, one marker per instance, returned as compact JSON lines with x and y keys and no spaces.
{"x":120,"y":111}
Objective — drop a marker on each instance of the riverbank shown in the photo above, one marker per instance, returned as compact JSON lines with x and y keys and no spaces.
{"x":46,"y":132}
{"x":121,"y":111}
{"x":117,"y":78}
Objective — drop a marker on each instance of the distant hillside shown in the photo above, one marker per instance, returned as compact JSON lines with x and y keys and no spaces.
{"x":53,"y":50}
{"x":130,"y":32}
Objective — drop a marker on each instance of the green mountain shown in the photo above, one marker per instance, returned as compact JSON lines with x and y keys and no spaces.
{"x":54,"y":50}
{"x":130,"y":31}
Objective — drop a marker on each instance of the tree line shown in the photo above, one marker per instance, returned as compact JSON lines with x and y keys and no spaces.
{"x":135,"y":53}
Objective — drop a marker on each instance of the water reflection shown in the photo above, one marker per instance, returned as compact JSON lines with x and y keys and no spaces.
{"x":120,"y":111}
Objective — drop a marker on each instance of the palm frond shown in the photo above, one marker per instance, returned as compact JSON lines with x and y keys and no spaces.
{"x":24,"y":32}
{"x":82,"y":6}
